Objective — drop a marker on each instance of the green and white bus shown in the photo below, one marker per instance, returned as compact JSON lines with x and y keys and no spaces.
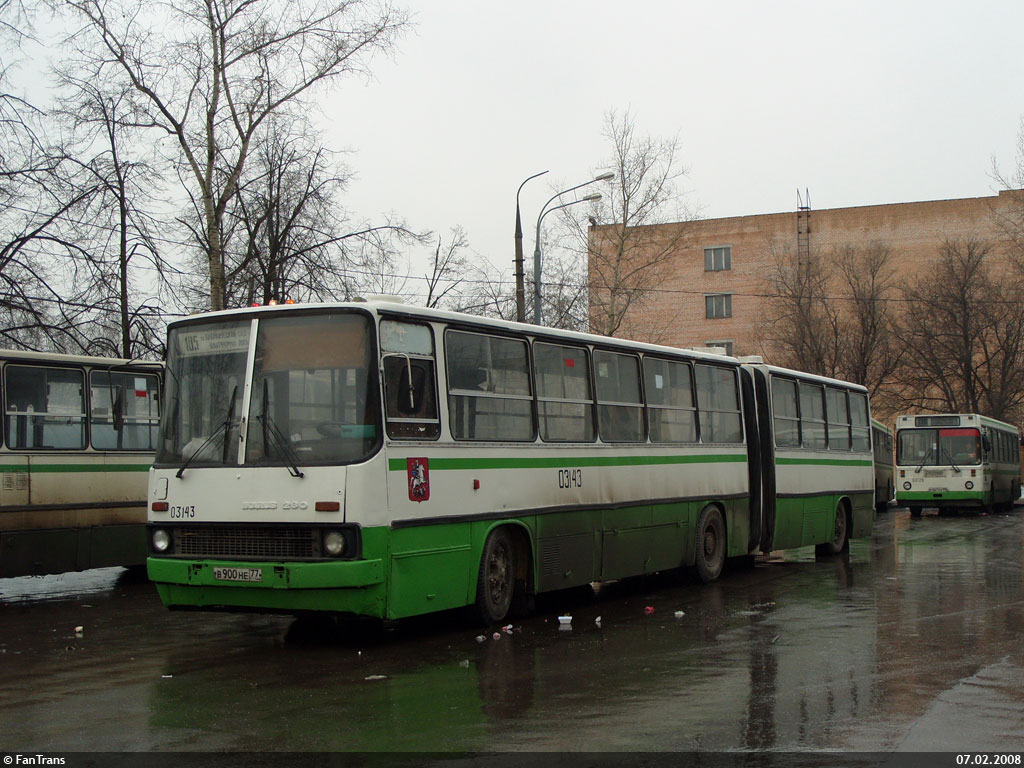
{"x":956,"y":460}
{"x":387,"y":461}
{"x":78,"y":438}
{"x":881,"y":442}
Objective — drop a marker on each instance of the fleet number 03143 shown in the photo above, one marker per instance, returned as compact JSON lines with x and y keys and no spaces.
{"x":570,"y":478}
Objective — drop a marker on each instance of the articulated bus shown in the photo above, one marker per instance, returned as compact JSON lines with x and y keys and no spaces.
{"x":953,"y":460}
{"x":387,"y":461}
{"x":881,"y":442}
{"x":78,"y":438}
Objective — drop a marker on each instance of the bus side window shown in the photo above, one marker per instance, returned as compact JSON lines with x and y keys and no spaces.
{"x":860,"y":426}
{"x":489,"y":395}
{"x":410,"y":380}
{"x":620,"y":411}
{"x":668,"y":385}
{"x":785,"y":414}
{"x":718,"y":404}
{"x":410,"y":397}
{"x":53,"y":410}
{"x":838,"y":413}
{"x":564,"y":399}
{"x":123,"y":410}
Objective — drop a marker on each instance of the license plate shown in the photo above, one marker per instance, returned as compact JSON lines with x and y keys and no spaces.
{"x":237,"y":574}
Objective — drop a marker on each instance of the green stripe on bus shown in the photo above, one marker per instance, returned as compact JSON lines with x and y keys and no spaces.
{"x":827,"y":462}
{"x":58,"y":468}
{"x":557,"y":462}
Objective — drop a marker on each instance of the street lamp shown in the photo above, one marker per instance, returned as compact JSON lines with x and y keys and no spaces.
{"x":520,"y":287}
{"x":536,"y":249}
{"x":544,"y":211}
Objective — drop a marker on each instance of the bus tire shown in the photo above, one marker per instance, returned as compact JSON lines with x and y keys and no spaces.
{"x":709,"y":545}
{"x":840,"y":535}
{"x":496,"y":581}
{"x":915,"y":511}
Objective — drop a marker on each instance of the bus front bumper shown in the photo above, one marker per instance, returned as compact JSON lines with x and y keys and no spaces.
{"x":343,"y":586}
{"x":942,"y":499}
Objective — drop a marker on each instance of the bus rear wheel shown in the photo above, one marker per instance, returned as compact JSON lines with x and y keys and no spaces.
{"x":496,"y":580}
{"x":710,"y":545}
{"x":840,"y":540}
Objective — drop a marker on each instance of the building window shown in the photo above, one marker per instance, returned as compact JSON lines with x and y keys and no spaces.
{"x":726,"y":345}
{"x":718,"y":305}
{"x":718,"y":259}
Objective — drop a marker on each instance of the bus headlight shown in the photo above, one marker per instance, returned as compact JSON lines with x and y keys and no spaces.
{"x":334,"y":543}
{"x":161,"y":541}
{"x":906,"y":486}
{"x":968,"y":485}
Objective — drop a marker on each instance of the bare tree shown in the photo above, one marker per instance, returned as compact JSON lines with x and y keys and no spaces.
{"x":803,"y":329}
{"x":448,"y":270}
{"x":626,"y":255}
{"x":115,"y":231}
{"x":868,"y":352}
{"x":285,"y":220}
{"x":209,"y":74}
{"x":962,"y":331}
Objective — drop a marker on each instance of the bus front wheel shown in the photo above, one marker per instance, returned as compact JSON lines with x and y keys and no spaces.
{"x":840,"y":541}
{"x":710,"y":545}
{"x":496,"y":580}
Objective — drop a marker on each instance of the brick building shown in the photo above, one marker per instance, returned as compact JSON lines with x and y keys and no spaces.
{"x":714,"y":290}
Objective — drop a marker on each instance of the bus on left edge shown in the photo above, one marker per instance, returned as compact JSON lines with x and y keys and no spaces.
{"x":78,"y":438}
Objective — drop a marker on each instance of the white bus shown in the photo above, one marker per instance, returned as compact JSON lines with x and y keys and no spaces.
{"x":956,"y":460}
{"x":384,"y":460}
{"x":78,"y":438}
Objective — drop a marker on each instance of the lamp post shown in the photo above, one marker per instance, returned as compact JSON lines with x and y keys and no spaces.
{"x":544,"y":211}
{"x":520,"y":287}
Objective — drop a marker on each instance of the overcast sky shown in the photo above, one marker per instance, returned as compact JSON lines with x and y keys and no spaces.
{"x":861,"y":103}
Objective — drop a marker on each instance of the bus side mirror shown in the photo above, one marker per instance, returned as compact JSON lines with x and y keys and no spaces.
{"x":986,"y":443}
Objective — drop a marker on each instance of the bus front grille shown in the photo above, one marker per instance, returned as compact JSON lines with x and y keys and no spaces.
{"x":267,"y":542}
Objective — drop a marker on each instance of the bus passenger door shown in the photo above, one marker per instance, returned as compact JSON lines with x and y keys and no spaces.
{"x":767,"y":459}
{"x":754,"y":469}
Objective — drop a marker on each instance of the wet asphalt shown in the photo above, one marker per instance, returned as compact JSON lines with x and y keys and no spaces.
{"x":911,"y":642}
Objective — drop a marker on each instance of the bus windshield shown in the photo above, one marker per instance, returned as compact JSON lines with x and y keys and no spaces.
{"x":935,"y":447}
{"x":312,"y":400}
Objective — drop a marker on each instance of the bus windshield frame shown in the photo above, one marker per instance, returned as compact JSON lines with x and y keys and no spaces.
{"x":938,"y":447}
{"x":306,"y":382}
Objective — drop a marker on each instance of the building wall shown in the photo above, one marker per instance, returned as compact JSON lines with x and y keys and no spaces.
{"x":914,"y":233}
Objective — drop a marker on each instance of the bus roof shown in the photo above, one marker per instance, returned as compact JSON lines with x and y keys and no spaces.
{"x":809,"y":376}
{"x":909,"y":420}
{"x":22,"y":356}
{"x":385,"y":308}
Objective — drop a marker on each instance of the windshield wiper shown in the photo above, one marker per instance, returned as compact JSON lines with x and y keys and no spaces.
{"x":272,"y":437}
{"x":948,"y":455}
{"x":224,"y":427}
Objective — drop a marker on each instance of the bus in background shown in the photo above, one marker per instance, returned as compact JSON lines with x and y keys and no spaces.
{"x":388,"y":461}
{"x":881,"y":442}
{"x":956,"y":460}
{"x":78,"y":438}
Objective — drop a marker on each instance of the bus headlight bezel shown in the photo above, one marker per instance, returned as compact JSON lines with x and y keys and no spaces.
{"x":160,"y":540}
{"x":906,"y":486}
{"x":969,"y":485}
{"x":334,"y":542}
